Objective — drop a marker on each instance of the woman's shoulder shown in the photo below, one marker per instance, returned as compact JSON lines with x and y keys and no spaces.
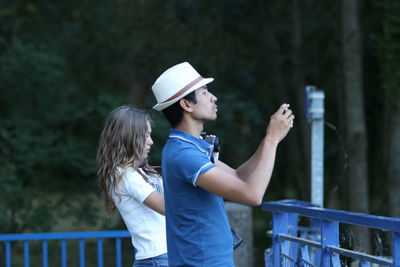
{"x":128,"y":172}
{"x":131,"y":180}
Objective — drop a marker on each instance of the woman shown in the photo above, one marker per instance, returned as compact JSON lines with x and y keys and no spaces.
{"x":129,"y":184}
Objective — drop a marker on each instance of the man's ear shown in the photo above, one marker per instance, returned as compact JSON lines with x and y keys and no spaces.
{"x":186,"y":105}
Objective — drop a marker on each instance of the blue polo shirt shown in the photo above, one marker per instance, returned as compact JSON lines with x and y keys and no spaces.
{"x":198,"y":231}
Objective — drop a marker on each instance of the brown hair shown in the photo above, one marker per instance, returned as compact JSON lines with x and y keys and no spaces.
{"x":121,"y":145}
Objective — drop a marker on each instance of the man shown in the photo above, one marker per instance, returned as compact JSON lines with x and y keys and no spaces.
{"x":195,"y":183}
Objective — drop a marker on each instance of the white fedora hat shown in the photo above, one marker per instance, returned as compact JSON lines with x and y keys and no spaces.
{"x":175,"y":83}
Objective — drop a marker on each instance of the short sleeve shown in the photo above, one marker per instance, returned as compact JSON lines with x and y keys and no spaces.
{"x":192,"y":163}
{"x":133,"y":184}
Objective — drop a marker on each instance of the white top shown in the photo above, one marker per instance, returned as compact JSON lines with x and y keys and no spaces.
{"x":146,"y":226}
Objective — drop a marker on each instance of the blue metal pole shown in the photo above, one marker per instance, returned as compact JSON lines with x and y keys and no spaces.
{"x":293,"y":230}
{"x":8,"y":254}
{"x":280,"y":225}
{"x":119,"y":253}
{"x":63,"y":253}
{"x":316,"y":115}
{"x":26,"y":253}
{"x":100,"y":252}
{"x":396,"y":249}
{"x":329,"y":237}
{"x":45,"y":254}
{"x":81,"y":253}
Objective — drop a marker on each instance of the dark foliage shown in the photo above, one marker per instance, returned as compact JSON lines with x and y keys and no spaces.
{"x":65,"y":64}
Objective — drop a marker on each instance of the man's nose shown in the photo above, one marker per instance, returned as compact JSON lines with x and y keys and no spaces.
{"x":213,"y":98}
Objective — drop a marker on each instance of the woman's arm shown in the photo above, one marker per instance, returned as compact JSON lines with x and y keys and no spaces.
{"x":155,"y":201}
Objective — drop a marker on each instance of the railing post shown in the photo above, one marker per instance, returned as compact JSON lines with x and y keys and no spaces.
{"x":26,"y":253}
{"x":396,"y":249}
{"x":293,"y":230}
{"x":45,"y":254}
{"x":81,"y":253}
{"x":118,"y":252}
{"x":8,"y":254}
{"x":279,"y":225}
{"x":63,"y":253}
{"x":316,"y":236}
{"x":305,"y":256}
{"x":329,"y":237}
{"x":100,"y":252}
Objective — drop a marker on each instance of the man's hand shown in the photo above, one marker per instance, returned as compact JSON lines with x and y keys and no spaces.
{"x":280,"y":124}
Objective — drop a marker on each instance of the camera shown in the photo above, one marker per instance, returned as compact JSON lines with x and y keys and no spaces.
{"x":213,"y":140}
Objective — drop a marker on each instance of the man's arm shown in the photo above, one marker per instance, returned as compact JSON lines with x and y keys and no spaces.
{"x":248,"y":183}
{"x":248,"y":191}
{"x":243,"y":170}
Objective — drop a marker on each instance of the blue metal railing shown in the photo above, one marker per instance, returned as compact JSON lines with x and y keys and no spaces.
{"x":318,"y":244}
{"x":9,"y":239}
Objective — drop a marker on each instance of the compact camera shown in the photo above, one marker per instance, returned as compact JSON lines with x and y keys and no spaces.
{"x":213,"y":140}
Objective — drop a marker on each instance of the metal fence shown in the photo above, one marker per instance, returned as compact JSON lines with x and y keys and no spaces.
{"x":318,"y":243}
{"x":63,"y":239}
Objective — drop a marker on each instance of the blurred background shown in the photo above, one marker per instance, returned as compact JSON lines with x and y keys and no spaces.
{"x":64,"y":65}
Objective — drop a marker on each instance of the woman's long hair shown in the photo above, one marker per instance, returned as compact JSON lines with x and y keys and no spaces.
{"x":121,"y":145}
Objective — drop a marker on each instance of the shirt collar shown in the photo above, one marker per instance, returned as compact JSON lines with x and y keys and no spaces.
{"x":186,"y":137}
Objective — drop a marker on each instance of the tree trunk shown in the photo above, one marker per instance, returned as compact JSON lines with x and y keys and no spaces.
{"x":301,"y":157}
{"x":356,"y":137}
{"x":390,"y":61}
{"x":394,"y":166}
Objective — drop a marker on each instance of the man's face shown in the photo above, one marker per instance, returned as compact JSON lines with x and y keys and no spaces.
{"x":205,"y":109}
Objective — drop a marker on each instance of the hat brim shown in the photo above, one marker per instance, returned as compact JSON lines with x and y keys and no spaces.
{"x":161,"y":106}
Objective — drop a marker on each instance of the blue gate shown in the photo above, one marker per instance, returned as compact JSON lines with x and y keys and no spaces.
{"x":318,"y":243}
{"x":10,"y":239}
